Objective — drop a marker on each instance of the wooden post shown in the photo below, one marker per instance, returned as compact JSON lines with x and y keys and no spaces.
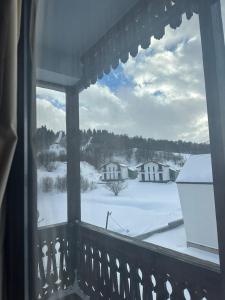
{"x":73,"y":175}
{"x":73,"y":155}
{"x":107,"y":219}
{"x":213,"y":50}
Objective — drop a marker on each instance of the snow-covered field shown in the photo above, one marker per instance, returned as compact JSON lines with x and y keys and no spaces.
{"x":140,"y":208}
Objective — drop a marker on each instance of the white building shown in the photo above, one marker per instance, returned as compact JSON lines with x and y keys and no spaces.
{"x":114,"y":171}
{"x":195,"y":187}
{"x":155,"y":172}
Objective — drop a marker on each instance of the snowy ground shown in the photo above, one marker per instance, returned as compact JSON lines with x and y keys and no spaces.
{"x":175,"y":239}
{"x":140,"y":208}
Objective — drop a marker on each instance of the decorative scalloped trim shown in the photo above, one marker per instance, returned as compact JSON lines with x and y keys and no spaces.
{"x":147,"y":19}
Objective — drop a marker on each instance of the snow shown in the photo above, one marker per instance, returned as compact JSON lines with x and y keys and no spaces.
{"x":59,"y":171}
{"x":132,"y":169}
{"x":139,"y":165}
{"x":175,"y":239}
{"x":123,"y":165}
{"x":198,"y":168}
{"x":185,"y":156}
{"x":173,"y":166}
{"x":119,"y":158}
{"x":89,"y":172}
{"x":87,"y":145}
{"x":57,"y":149}
{"x":52,"y":206}
{"x":114,"y":162}
{"x":140,"y":208}
{"x":59,"y":137}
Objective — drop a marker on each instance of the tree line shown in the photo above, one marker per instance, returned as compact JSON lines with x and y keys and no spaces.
{"x":99,"y":146}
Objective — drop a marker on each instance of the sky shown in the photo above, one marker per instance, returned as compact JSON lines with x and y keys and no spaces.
{"x":159,"y":94}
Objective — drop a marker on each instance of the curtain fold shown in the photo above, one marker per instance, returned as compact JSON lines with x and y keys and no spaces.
{"x":10,"y":11}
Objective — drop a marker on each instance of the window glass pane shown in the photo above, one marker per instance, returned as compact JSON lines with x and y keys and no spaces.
{"x":51,"y":157}
{"x":147,"y":120}
{"x":128,"y":142}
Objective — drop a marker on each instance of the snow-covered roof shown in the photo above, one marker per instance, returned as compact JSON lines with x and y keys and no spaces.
{"x":198,"y":168}
{"x":123,"y":165}
{"x":59,"y":138}
{"x":115,"y":163}
{"x":132,"y":168}
{"x":151,"y":161}
{"x":139,"y":165}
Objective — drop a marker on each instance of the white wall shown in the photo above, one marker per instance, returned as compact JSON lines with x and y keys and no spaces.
{"x":165,"y":172}
{"x":124,"y":172}
{"x":198,"y":208}
{"x":112,"y":172}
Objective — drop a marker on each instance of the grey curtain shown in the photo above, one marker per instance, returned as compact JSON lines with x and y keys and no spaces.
{"x":9,"y":31}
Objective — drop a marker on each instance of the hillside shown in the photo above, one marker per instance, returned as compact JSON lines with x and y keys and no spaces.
{"x":100,"y":146}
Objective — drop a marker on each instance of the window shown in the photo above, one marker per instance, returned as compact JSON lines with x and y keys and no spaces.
{"x":160,"y":177}
{"x":145,"y":114}
{"x":166,"y":82}
{"x":158,"y":98}
{"x":51,"y":149}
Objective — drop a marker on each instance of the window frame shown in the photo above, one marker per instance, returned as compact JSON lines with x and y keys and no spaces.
{"x":20,"y":272}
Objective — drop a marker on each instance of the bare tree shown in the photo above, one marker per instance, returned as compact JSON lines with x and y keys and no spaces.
{"x":116,"y":186}
{"x":47,"y":184}
{"x":61,"y":183}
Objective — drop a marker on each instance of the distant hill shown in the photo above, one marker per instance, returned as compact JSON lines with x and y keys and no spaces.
{"x":104,"y":146}
{"x":100,"y":146}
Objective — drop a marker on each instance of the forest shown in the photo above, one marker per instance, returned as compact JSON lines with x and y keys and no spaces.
{"x":100,"y":146}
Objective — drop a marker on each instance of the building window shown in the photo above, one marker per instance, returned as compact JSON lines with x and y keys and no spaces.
{"x":160,"y":177}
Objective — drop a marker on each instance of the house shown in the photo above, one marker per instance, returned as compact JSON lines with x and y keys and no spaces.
{"x":114,"y":171}
{"x":152,"y":171}
{"x":196,"y":192}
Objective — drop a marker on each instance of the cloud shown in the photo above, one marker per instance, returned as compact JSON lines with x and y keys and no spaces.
{"x":176,"y":72}
{"x":100,"y":108}
{"x":165,"y":97}
{"x":51,"y":95}
{"x":158,"y":94}
{"x":49,"y":115}
{"x":149,"y":117}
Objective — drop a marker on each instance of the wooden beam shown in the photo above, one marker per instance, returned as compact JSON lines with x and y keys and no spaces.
{"x":213,"y":50}
{"x":73,"y":155}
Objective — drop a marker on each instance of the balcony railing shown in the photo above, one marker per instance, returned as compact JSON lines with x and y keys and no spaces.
{"x":112,"y":266}
{"x":54,"y":266}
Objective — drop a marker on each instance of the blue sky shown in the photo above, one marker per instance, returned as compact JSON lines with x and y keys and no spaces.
{"x":116,"y":79}
{"x":158,"y":94}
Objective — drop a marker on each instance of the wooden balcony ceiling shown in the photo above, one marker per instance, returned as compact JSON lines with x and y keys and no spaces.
{"x":66,"y":29}
{"x":79,"y":41}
